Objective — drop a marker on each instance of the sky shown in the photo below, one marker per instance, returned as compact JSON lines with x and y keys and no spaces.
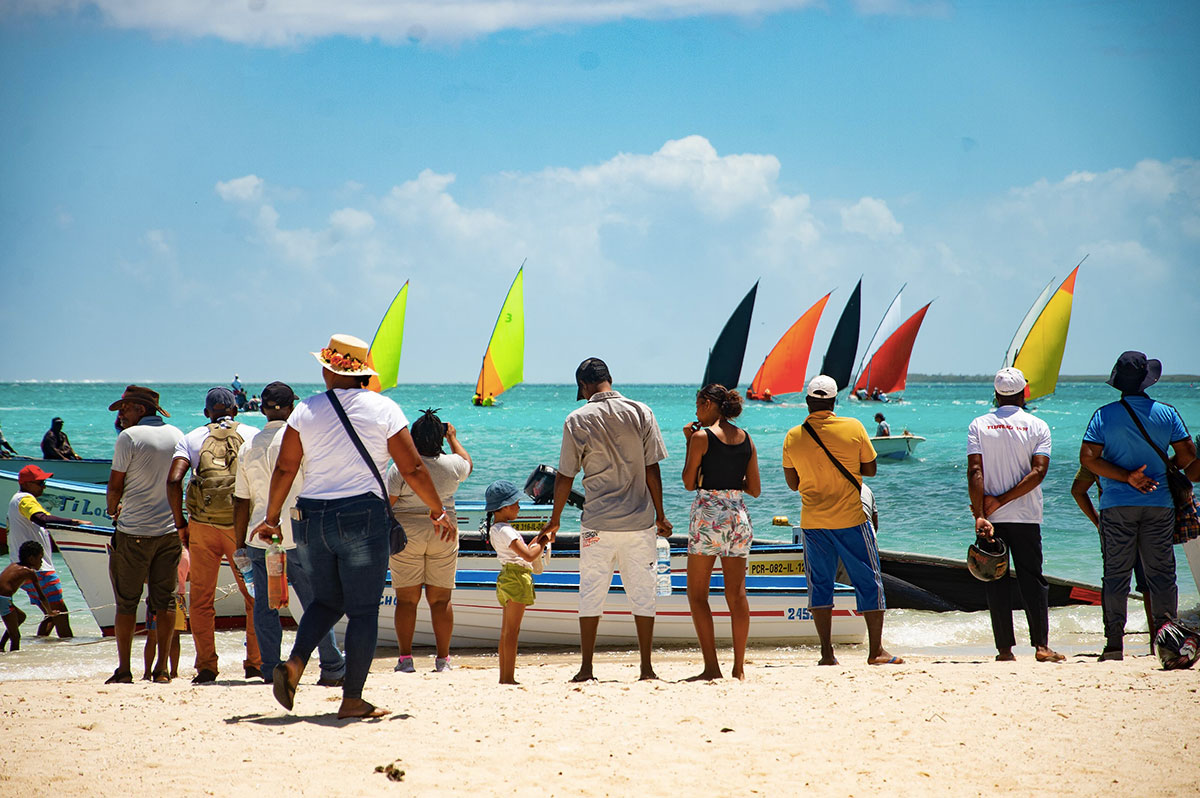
{"x":191,"y":190}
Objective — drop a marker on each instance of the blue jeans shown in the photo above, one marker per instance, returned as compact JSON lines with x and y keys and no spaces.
{"x":266,"y":620}
{"x":343,"y":546}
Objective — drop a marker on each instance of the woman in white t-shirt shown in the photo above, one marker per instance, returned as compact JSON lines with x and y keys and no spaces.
{"x":514,"y":583}
{"x":431,"y":557}
{"x":340,"y":522}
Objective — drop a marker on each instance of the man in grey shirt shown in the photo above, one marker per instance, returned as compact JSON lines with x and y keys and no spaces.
{"x":145,"y":548}
{"x":617,"y":444}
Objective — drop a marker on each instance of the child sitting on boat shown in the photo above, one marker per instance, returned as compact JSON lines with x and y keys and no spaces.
{"x":514,"y":583}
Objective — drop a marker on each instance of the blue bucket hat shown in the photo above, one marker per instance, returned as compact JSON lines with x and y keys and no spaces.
{"x":500,"y":493}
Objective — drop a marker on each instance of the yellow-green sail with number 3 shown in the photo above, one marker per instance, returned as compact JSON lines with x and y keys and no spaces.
{"x":1039,"y":355}
{"x":504,"y":361}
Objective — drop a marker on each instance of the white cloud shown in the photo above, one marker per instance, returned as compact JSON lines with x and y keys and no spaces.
{"x":903,"y":8}
{"x":870,"y":217}
{"x":644,"y":234}
{"x":241,"y":189}
{"x":158,"y":242}
{"x":351,"y":221}
{"x":275,"y":22}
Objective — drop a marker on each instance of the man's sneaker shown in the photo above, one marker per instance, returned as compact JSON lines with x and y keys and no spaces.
{"x":1112,"y":655}
{"x":405,"y":665}
{"x":442,"y":664}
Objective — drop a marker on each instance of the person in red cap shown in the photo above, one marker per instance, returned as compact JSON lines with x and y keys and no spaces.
{"x":27,"y":521}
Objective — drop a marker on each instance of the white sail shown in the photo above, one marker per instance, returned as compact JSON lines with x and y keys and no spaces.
{"x":891,"y":321}
{"x":1018,"y":340}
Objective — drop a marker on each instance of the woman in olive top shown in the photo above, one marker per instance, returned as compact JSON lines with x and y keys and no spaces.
{"x":721,"y":465}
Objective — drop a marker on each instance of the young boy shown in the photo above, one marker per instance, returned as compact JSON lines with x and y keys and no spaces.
{"x":45,"y":592}
{"x":11,"y":578}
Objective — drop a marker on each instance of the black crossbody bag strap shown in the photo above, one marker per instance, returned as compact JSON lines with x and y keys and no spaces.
{"x":845,"y":471}
{"x":1141,"y":429}
{"x":358,"y":444}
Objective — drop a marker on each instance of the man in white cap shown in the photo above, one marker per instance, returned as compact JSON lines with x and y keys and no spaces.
{"x":1124,"y":446}
{"x":1008,"y":454}
{"x":825,"y":459}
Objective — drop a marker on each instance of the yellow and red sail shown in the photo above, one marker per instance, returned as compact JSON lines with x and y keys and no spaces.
{"x":1039,"y":355}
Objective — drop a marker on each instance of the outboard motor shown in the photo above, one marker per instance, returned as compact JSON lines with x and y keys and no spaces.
{"x":540,"y":487}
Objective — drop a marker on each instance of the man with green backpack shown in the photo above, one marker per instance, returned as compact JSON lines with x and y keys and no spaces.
{"x":211,"y":453}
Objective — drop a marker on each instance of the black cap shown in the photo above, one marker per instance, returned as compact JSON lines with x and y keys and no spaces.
{"x":590,"y":372}
{"x":1134,"y":373}
{"x":278,"y":395}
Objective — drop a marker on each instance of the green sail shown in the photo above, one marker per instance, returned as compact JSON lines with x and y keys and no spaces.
{"x":504,"y":361}
{"x":384,"y":355}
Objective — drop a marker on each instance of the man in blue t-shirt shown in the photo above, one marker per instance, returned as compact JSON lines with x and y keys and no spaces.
{"x":1137,"y":513}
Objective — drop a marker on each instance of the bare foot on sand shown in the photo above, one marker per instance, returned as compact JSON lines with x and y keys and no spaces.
{"x":828,"y":659}
{"x":509,"y":681}
{"x":739,"y":673}
{"x":648,"y":676}
{"x":356,"y":708}
{"x":705,"y":676}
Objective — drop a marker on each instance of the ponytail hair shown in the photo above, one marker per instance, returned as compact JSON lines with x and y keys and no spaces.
{"x":487,"y":528}
{"x":428,"y":432}
{"x":729,"y":403}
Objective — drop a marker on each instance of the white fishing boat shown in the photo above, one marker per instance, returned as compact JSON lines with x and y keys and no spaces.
{"x":86,"y":470}
{"x":896,"y":447}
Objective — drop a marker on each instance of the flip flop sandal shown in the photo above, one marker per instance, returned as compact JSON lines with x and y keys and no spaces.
{"x":162,"y":677}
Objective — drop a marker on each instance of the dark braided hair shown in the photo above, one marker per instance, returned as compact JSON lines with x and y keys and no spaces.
{"x":428,"y":432}
{"x":729,"y":403}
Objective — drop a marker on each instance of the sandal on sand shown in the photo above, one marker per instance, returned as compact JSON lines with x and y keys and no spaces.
{"x":120,"y":677}
{"x":371,"y":713}
{"x":285,"y":692}
{"x":162,"y":677}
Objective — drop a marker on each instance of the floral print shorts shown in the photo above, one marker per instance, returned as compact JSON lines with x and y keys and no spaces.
{"x":720,"y":524}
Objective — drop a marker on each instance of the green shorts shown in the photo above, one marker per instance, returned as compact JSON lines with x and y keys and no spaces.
{"x":514,"y":583}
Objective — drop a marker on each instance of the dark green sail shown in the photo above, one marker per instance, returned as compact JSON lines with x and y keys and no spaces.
{"x":725,"y":358}
{"x":839,"y":358}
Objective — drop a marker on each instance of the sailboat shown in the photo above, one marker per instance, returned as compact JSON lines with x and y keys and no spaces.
{"x":1041,"y":338}
{"x":724,"y":365}
{"x":843,"y":346}
{"x":784,"y":368}
{"x":384,"y":354}
{"x":884,"y":369}
{"x":504,"y":359}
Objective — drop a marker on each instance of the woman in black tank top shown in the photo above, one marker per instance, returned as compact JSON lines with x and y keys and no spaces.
{"x":721,"y":465}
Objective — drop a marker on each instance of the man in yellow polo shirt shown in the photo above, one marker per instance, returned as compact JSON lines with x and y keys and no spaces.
{"x":825,"y":459}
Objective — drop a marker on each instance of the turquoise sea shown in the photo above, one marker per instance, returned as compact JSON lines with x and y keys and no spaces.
{"x":922,"y":501}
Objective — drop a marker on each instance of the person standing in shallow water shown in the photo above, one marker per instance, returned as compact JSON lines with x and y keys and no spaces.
{"x":721,"y":465}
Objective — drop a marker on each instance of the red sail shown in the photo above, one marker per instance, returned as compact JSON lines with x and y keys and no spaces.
{"x":888,"y":369}
{"x":783,"y":370}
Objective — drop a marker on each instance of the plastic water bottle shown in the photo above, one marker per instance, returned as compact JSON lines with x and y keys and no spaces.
{"x":242,"y":561}
{"x":277,"y":588}
{"x":663,"y":567}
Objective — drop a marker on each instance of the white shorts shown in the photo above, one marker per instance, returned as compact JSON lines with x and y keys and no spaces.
{"x":632,"y":554}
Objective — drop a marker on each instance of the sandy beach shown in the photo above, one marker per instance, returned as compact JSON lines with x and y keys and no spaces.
{"x":957,"y":725}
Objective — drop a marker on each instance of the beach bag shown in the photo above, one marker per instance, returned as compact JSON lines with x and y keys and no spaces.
{"x":397,"y":537}
{"x":210,"y":490}
{"x":1187,"y":511}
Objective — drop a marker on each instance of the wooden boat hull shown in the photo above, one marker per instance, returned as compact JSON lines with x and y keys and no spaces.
{"x":896,"y":447}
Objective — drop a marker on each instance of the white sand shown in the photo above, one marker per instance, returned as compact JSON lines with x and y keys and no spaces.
{"x":941,"y":726}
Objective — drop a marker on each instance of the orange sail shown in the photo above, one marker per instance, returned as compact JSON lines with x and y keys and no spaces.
{"x":783,"y":369}
{"x":887,"y":370}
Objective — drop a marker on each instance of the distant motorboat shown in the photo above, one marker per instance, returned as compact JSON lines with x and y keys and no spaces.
{"x":896,"y":447}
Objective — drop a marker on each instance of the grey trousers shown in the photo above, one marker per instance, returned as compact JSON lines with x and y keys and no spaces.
{"x":1125,"y":533}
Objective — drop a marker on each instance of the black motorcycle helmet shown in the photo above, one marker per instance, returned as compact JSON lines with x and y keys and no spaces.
{"x":1177,"y":646}
{"x":987,"y":560}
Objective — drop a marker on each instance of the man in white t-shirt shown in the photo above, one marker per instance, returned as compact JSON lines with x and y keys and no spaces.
{"x":210,"y":452}
{"x":1008,"y":454}
{"x":256,"y":461}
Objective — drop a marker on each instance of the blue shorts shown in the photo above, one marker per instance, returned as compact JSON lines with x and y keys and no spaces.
{"x":51,"y":587}
{"x":6,"y":605}
{"x":856,"y":547}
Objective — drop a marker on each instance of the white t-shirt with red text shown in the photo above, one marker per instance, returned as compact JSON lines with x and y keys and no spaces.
{"x":1008,"y":438}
